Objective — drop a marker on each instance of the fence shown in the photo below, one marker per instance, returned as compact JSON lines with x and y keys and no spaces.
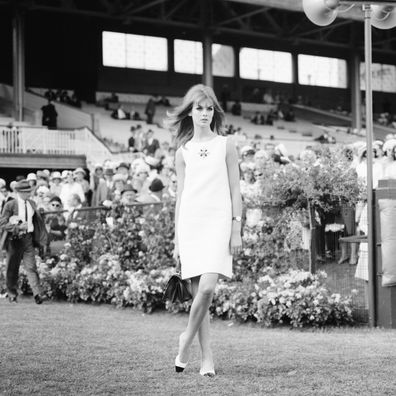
{"x":39,"y":140}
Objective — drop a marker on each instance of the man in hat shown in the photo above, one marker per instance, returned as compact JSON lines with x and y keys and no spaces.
{"x":128,"y":195}
{"x":25,"y":230}
{"x":155,"y":192}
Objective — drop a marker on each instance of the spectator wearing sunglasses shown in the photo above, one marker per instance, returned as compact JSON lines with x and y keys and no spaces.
{"x":55,"y":222}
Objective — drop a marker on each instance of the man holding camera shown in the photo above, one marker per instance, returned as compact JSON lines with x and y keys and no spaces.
{"x":24,"y":230}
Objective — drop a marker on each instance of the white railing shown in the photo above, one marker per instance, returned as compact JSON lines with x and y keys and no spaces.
{"x":37,"y":140}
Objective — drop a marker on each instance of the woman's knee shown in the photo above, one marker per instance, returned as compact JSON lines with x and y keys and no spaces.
{"x":207,"y":284}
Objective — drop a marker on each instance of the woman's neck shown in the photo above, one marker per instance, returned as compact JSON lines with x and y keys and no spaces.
{"x":202,"y":133}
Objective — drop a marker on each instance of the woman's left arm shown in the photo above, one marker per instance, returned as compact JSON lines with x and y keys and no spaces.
{"x":236,"y":199}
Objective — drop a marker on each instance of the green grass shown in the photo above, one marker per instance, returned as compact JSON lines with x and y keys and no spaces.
{"x":65,"y":349}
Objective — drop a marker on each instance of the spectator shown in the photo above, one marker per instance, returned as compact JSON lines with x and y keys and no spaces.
{"x":55,"y":222}
{"x":128,"y":195}
{"x":120,"y":114}
{"x":6,"y":196}
{"x":150,"y":110}
{"x":32,"y":179}
{"x":140,"y":181}
{"x":50,"y":115}
{"x":79,"y":176}
{"x":55,"y":183}
{"x":108,"y":176}
{"x":258,"y":119}
{"x":42,"y":178}
{"x":75,"y":214}
{"x":151,"y":145}
{"x":69,"y":189}
{"x":118,"y":186}
{"x":123,"y":170}
{"x":225,"y":97}
{"x":132,"y":141}
{"x":98,"y":186}
{"x":236,"y":108}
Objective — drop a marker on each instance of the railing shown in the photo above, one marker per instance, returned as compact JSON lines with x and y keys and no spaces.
{"x":38,"y":140}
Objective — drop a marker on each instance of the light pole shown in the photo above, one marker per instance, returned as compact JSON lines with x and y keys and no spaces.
{"x":382,"y":15}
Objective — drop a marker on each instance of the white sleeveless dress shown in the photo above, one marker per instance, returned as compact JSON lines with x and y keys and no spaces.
{"x":205,"y":212}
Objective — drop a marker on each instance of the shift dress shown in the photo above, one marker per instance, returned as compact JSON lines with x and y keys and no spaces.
{"x":205,"y":211}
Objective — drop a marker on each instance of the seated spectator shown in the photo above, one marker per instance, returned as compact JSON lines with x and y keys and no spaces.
{"x":120,"y":114}
{"x":236,"y":108}
{"x":50,"y":94}
{"x":270,"y":118}
{"x":258,"y":119}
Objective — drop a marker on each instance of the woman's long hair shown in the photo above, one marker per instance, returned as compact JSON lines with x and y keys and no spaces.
{"x":180,"y":123}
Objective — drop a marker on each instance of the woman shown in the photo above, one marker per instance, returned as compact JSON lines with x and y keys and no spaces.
{"x":208,"y":211}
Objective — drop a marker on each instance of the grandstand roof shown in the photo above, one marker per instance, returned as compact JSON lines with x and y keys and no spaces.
{"x":282,"y":20}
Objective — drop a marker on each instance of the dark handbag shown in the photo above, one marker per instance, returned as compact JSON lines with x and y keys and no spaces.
{"x":177,"y":290}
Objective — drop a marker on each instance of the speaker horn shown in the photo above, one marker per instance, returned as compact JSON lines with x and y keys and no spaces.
{"x":321,"y":12}
{"x":383,"y":16}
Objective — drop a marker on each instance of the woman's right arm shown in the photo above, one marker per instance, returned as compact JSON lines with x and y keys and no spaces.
{"x":180,"y":171}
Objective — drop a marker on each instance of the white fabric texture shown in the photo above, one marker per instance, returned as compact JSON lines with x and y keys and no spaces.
{"x":205,"y":212}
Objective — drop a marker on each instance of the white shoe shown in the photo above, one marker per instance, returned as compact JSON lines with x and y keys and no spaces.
{"x":179,"y":366}
{"x":209,"y":373}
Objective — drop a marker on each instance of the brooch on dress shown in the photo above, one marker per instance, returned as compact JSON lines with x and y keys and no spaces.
{"x":203,"y":153}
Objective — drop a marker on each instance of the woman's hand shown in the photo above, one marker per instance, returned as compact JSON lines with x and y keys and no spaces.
{"x":236,"y":243}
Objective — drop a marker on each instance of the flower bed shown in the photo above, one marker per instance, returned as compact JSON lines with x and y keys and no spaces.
{"x":296,"y":298}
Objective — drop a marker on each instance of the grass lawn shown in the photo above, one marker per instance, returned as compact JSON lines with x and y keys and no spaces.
{"x":65,"y":349}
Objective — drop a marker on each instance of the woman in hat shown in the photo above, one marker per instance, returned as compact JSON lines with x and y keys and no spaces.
{"x":79,"y":176}
{"x":69,"y":188}
{"x":208,"y":211}
{"x":55,"y":183}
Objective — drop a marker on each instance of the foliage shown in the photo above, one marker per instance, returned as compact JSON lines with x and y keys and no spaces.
{"x":325,"y":183}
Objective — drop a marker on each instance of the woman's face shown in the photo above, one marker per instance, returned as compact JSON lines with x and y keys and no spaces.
{"x":202,"y":113}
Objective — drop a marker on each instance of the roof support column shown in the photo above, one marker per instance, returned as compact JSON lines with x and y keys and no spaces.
{"x":207,"y":60}
{"x":18,"y":63}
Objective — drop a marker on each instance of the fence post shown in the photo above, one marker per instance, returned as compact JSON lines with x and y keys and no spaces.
{"x":312,"y":242}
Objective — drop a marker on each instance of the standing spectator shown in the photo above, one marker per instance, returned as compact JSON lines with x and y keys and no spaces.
{"x":55,"y":183}
{"x":155,"y":192}
{"x":140,"y":181}
{"x":50,"y":115}
{"x":98,"y":186}
{"x":123,"y":170}
{"x":108,"y":176}
{"x":55,"y":222}
{"x":150,"y":110}
{"x":25,"y":229}
{"x":152,"y":144}
{"x":79,"y":176}
{"x":5,"y":192}
{"x":132,"y":141}
{"x":70,"y":188}
{"x":118,"y":187}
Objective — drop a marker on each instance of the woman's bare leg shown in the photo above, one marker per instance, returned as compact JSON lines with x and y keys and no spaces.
{"x":199,"y":309}
{"x":203,"y":334}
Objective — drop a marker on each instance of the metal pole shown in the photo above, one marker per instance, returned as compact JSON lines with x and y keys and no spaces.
{"x":369,"y":142}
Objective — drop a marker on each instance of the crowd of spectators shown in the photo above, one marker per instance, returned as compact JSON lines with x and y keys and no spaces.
{"x":62,"y":96}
